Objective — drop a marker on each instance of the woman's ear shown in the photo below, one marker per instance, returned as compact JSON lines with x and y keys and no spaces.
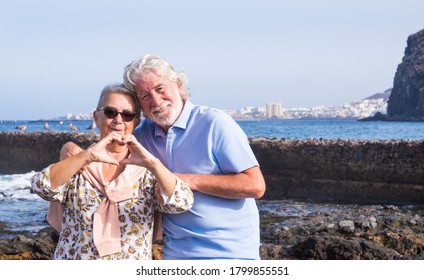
{"x":96,"y":118}
{"x":136,"y":122}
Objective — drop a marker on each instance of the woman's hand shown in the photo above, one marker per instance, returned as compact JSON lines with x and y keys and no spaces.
{"x":139,"y":155}
{"x":99,"y":151}
{"x":142,"y":157}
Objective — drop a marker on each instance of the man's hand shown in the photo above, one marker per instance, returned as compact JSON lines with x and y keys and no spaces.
{"x":69,"y":149}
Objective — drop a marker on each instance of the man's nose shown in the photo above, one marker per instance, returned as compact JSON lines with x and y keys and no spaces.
{"x":156,"y":99}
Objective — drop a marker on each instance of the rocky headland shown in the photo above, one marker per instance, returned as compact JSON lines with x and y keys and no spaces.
{"x":407,"y":98}
{"x":406,"y":102}
{"x":367,"y":196}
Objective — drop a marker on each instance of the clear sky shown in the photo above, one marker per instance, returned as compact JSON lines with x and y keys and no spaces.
{"x":55,"y":56}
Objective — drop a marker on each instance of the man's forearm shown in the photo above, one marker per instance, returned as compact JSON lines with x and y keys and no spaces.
{"x":249,"y":183}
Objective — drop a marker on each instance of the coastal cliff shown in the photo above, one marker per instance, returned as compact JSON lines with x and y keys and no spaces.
{"x":407,"y":98}
{"x":345,"y":171}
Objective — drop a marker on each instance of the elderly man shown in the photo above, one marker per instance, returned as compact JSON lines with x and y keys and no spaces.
{"x":209,"y":151}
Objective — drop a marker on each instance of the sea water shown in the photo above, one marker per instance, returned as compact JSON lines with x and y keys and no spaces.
{"x":333,"y":129}
{"x":280,"y":128}
{"x":21,"y":210}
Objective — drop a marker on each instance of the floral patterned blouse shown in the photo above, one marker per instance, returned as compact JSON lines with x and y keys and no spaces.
{"x":81,"y":200}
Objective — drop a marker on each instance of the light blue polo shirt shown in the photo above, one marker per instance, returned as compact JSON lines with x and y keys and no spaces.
{"x":206,"y":141}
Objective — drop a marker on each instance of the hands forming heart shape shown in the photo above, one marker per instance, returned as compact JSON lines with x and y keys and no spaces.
{"x":138,"y":154}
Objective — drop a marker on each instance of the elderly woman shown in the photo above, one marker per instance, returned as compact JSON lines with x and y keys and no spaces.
{"x":110,"y":191}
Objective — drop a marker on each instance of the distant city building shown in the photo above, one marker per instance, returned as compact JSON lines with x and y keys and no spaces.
{"x":273,"y":110}
{"x":354,"y":110}
{"x":366,"y":107}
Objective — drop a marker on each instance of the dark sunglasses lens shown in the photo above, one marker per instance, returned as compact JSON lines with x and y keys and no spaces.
{"x":110,"y":112}
{"x":128,"y":116}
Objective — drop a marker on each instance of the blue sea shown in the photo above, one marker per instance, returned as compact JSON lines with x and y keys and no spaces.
{"x":270,"y":128}
{"x":21,"y":210}
{"x":333,"y":129}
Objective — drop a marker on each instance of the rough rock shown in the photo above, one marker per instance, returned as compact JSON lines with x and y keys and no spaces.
{"x":348,"y":171}
{"x":396,"y":233}
{"x":388,"y":172}
{"x":407,"y":98}
{"x":28,"y":247}
{"x":379,"y":173}
{"x":22,"y":152}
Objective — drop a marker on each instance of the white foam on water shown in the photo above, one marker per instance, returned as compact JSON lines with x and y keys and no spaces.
{"x":17,"y":186}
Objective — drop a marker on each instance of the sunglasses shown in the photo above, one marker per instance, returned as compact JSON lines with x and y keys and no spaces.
{"x":111,"y":113}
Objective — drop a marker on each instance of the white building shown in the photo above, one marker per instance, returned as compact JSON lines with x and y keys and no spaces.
{"x":273,"y":110}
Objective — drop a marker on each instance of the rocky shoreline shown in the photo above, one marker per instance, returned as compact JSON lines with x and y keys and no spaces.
{"x":332,"y":232}
{"x":372,"y":182}
{"x":352,"y":232}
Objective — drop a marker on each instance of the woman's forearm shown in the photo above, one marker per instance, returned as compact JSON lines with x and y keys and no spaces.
{"x":63,"y":170}
{"x":163,"y":175}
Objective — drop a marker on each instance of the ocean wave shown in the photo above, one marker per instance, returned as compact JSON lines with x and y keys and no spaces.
{"x":17,"y":187}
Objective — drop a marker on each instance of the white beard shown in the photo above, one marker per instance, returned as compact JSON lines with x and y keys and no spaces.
{"x":166,"y":119}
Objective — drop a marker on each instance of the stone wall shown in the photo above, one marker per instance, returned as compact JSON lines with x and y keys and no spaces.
{"x":343,"y":171}
{"x":22,"y":152}
{"x":390,"y":172}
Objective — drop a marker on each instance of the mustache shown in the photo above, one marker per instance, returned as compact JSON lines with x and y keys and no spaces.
{"x":162,"y":106}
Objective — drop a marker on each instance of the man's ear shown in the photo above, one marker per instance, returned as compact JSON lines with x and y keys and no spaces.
{"x":180,"y":86}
